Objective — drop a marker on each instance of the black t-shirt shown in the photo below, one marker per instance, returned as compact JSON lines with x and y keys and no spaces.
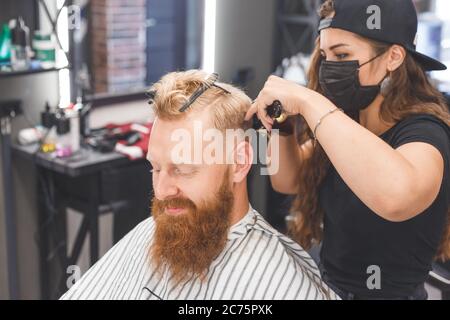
{"x":355,"y":237}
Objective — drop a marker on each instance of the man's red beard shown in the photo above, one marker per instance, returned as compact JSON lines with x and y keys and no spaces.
{"x":187,"y":244}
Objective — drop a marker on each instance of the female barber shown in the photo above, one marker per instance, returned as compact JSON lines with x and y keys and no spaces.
{"x":369,"y":162}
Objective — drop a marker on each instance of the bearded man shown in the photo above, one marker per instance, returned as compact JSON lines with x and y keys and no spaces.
{"x":204,"y":240}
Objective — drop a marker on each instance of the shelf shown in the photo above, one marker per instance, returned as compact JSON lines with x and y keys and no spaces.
{"x":106,"y":99}
{"x":6,"y":74}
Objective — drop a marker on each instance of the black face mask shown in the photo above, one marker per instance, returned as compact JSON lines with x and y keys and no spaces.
{"x":340,"y":83}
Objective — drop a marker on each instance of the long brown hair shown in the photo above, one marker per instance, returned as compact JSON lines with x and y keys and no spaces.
{"x":411,"y":93}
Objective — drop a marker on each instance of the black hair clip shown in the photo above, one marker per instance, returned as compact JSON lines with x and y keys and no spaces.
{"x":151,"y":95}
{"x":210,"y":82}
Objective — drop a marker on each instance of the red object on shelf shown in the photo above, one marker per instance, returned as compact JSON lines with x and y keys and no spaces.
{"x":137,"y":150}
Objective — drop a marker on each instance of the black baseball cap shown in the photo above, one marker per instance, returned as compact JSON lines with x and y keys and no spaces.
{"x":390,"y":21}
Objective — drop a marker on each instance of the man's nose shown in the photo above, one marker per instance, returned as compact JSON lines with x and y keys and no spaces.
{"x":165,"y":187}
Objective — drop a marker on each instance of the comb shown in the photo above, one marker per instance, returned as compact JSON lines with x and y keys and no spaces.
{"x":210,"y":81}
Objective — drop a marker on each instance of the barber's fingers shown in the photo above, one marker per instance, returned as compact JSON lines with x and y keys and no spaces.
{"x":260,"y":109}
{"x":253,"y":109}
{"x":265,"y":119}
{"x":262,"y":114}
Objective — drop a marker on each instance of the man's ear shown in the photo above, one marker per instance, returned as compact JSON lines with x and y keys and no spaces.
{"x":397,"y":55}
{"x":243,"y":160}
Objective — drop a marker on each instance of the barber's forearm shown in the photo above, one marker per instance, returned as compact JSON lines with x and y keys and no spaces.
{"x":373,"y":170}
{"x":284,"y":178}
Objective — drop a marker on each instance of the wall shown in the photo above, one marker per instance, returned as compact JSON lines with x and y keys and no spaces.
{"x":244,"y":38}
{"x":34,"y":91}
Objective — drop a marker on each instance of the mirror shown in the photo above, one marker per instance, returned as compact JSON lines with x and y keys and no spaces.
{"x":124,"y":46}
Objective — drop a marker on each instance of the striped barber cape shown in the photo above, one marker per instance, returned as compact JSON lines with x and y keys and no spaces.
{"x":257,"y":263}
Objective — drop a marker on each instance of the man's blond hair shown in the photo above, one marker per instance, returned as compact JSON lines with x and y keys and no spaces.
{"x":174,"y":90}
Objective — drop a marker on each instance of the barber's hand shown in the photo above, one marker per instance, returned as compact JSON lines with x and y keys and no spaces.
{"x":291,"y":95}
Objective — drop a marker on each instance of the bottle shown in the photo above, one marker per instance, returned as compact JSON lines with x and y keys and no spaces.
{"x":63,"y":145}
{"x":48,"y":122}
{"x":44,"y":47}
{"x":5,"y":43}
{"x":73,"y":114}
{"x":20,"y":45}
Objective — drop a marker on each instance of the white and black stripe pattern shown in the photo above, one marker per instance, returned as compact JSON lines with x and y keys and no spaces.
{"x":257,"y":263}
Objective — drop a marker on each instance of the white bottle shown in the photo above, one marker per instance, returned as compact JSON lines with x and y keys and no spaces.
{"x":74,"y":117}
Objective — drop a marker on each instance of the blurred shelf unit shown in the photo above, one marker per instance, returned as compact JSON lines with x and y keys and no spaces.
{"x":12,"y":73}
{"x":297,"y":23}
